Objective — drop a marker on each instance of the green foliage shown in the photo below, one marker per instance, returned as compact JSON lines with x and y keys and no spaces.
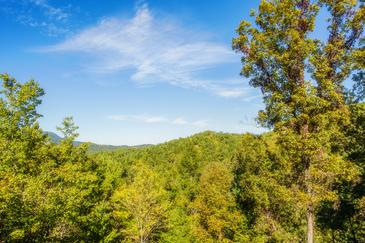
{"x":264,"y":193}
{"x":177,"y":168}
{"x":214,"y":211}
{"x":68,"y":128}
{"x":210,"y":187}
{"x":46,"y":190}
{"x":141,"y":205}
{"x":343,"y":219}
{"x":307,"y":114}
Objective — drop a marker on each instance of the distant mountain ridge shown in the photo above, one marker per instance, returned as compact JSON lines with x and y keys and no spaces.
{"x":93,"y":147}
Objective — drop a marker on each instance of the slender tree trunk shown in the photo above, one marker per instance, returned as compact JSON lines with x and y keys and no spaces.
{"x":333,"y":236}
{"x":307,"y":180}
{"x":310,"y":212}
{"x":310,"y":224}
{"x":352,"y":231}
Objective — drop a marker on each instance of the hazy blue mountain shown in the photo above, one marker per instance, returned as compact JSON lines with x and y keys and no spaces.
{"x":54,"y":137}
{"x":93,"y":147}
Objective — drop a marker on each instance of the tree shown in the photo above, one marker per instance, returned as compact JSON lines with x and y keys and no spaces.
{"x":214,"y":211}
{"x":46,"y":190}
{"x":19,"y":102}
{"x":306,"y":112}
{"x":262,"y":191}
{"x":20,"y":136}
{"x":68,"y":128}
{"x":141,"y":205}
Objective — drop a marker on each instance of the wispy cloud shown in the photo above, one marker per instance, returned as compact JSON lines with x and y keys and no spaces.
{"x":180,"y":121}
{"x":156,"y":50}
{"x":158,"y":119}
{"x":38,"y":14}
{"x":231,"y":92}
{"x":51,"y":12}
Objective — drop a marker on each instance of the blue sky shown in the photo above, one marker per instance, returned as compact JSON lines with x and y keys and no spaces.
{"x":132,"y":72}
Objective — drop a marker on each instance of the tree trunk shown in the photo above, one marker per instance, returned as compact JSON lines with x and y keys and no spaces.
{"x":307,"y":180}
{"x":352,"y":231}
{"x":310,"y":224}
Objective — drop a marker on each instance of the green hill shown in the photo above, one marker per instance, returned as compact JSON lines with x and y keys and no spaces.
{"x":204,"y":147}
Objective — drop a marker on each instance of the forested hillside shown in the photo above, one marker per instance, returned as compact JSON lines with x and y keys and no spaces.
{"x":205,"y":188}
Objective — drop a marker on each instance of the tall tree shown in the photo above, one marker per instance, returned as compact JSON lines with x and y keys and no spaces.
{"x":68,"y":128}
{"x":278,"y":54}
{"x":214,"y":210}
{"x":20,"y":136}
{"x":261,"y":178}
{"x":141,"y":206}
{"x":46,"y":190}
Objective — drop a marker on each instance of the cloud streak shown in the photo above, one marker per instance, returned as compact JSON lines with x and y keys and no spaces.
{"x":38,"y":14}
{"x":156,"y":50}
{"x":51,"y":12}
{"x":158,"y":119}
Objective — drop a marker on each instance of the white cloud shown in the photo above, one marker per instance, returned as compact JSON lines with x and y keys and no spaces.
{"x":155,"y":49}
{"x":158,"y":119}
{"x":150,"y":119}
{"x":180,"y":121}
{"x":58,"y":14}
{"x":38,"y":14}
{"x":231,"y":93}
{"x":118,"y":117}
{"x":140,"y":118}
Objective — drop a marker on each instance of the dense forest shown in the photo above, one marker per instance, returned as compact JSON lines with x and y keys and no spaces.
{"x":302,"y":181}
